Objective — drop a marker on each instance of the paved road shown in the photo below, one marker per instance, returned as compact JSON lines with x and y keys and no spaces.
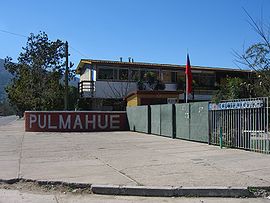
{"x":125,"y":158}
{"x":4,"y":120}
{"x":7,"y":196}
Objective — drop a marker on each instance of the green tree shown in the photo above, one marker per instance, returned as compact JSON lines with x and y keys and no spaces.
{"x":36,"y":82}
{"x":153,"y":82}
{"x":234,"y":88}
{"x":5,"y":108}
{"x":257,"y":58}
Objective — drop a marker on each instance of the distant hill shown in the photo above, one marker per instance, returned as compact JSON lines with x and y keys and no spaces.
{"x":74,"y":82}
{"x":5,"y":77}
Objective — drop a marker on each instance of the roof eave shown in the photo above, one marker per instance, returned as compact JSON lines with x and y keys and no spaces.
{"x":81,"y":64}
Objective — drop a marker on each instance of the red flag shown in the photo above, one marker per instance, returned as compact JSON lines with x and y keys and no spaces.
{"x":188,"y":76}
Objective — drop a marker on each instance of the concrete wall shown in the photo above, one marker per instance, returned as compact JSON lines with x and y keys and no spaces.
{"x":86,"y":75}
{"x":170,"y":87}
{"x":106,"y":89}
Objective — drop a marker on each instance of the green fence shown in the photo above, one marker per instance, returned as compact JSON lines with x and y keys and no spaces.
{"x":155,"y":119}
{"x":162,"y":120}
{"x":138,"y":119}
{"x":184,"y":121}
{"x":192,"y":121}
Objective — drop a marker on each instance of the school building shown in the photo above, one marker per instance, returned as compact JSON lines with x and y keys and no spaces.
{"x":111,"y":85}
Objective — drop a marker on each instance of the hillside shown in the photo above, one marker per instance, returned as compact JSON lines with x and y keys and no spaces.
{"x":4,"y":79}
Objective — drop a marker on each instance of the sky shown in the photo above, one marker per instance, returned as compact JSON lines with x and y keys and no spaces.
{"x":158,"y":31}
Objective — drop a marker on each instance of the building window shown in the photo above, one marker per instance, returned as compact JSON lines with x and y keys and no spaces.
{"x":107,"y":73}
{"x":135,"y":75}
{"x":173,"y":77}
{"x":142,"y":75}
{"x":204,"y":80}
{"x":143,"y":72}
{"x":170,"y":76}
{"x":123,"y":74}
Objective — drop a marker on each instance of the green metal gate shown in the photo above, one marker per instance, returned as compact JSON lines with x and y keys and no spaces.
{"x":192,"y":121}
{"x":182,"y":121}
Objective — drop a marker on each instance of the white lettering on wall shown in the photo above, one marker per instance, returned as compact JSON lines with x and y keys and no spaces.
{"x":77,"y":122}
{"x":44,"y":121}
{"x":49,"y":123}
{"x":105,"y":124}
{"x":33,"y":119}
{"x":64,"y":124}
{"x":114,"y":121}
{"x":74,"y":121}
{"x":88,"y":121}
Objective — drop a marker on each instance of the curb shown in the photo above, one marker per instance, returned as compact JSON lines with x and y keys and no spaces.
{"x":150,"y":191}
{"x":172,"y":191}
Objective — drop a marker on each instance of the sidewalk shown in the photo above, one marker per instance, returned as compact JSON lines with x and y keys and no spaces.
{"x":126,"y":158}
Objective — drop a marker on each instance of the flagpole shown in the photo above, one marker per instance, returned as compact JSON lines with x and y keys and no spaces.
{"x":187,"y":84}
{"x":186,"y":88}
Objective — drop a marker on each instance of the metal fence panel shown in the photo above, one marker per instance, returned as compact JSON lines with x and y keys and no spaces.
{"x":166,"y":124}
{"x":182,"y":121}
{"x":155,"y":119}
{"x":138,"y":118}
{"x":199,"y":126}
{"x":241,"y":123}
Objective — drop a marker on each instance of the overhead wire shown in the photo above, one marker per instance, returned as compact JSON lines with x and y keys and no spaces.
{"x":12,"y":33}
{"x":20,"y":35}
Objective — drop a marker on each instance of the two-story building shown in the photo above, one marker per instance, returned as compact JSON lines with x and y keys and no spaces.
{"x":106,"y":83}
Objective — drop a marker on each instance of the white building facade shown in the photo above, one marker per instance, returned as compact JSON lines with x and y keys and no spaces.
{"x":108,"y":80}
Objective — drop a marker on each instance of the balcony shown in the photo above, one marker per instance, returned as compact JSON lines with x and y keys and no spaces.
{"x":86,"y":88}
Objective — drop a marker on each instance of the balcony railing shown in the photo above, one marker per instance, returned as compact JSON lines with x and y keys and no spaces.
{"x":86,"y":87}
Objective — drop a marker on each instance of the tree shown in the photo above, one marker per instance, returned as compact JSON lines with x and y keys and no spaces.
{"x":5,"y":108}
{"x":153,"y":82}
{"x":233,"y":88}
{"x":36,"y":82}
{"x":257,"y":57}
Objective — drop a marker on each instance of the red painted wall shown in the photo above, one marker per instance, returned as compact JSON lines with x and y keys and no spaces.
{"x":75,"y":121}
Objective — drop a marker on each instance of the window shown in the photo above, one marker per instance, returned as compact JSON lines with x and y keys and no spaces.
{"x":204,"y":80}
{"x":166,"y":76}
{"x":173,"y":77}
{"x":135,"y":75}
{"x":123,"y":74}
{"x":170,"y":76}
{"x":142,"y":75}
{"x":143,"y":72}
{"x":107,"y":73}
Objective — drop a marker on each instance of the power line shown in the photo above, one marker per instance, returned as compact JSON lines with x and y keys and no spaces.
{"x":12,"y":33}
{"x":78,"y":52}
{"x":20,"y":35}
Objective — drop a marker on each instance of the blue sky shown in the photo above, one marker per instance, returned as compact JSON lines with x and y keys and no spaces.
{"x":159,"y":31}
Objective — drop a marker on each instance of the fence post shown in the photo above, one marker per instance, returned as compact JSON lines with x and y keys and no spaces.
{"x":220,"y":137}
{"x":173,"y":122}
{"x":149,"y":119}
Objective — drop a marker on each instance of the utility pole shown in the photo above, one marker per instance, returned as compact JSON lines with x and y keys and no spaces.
{"x":66,"y":77}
